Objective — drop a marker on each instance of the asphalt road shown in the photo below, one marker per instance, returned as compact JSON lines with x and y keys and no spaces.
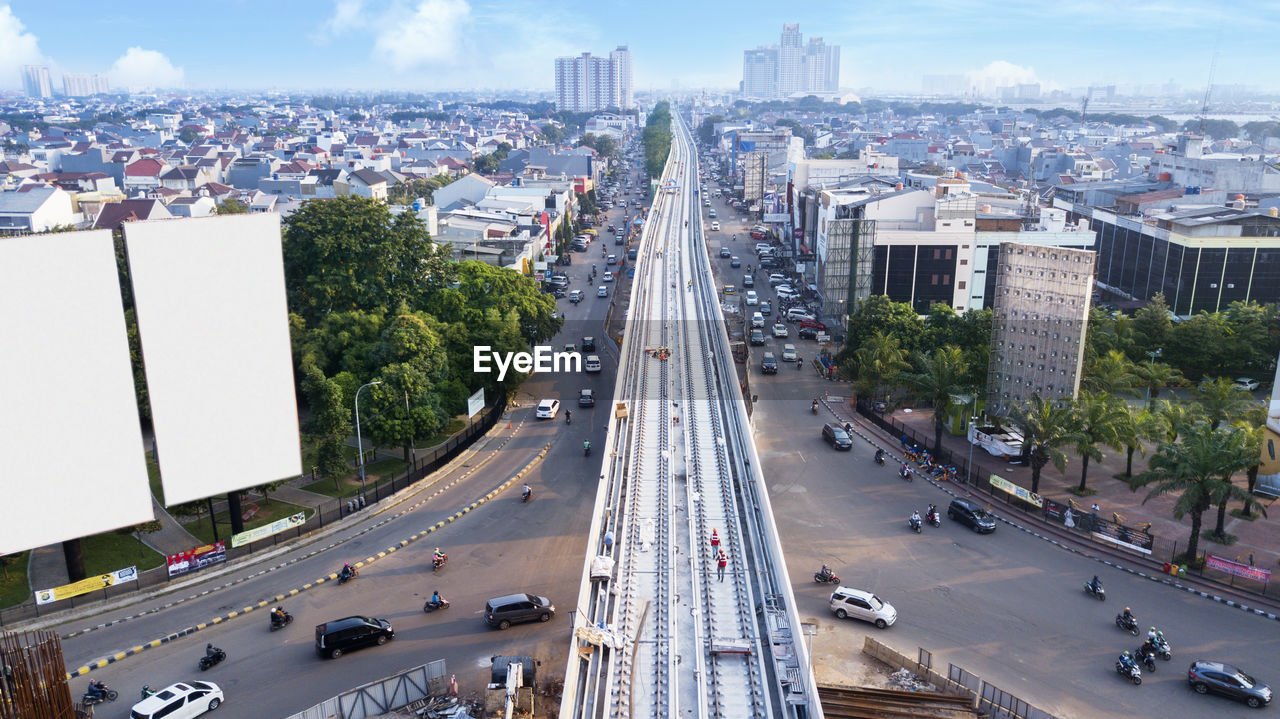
{"x":1006,"y":606}
{"x":504,"y":546}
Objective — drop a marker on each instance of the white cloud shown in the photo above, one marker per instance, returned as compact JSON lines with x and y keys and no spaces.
{"x":1002,"y":74}
{"x":431,"y":35}
{"x":17,"y":48}
{"x":347,"y":14}
{"x":139,"y":69}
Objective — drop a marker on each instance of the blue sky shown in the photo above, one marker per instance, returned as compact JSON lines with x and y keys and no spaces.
{"x":456,"y":44}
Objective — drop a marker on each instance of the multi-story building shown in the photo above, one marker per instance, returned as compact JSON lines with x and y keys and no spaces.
{"x":790,"y":67}
{"x":1038,"y":323}
{"x":35,"y":81}
{"x":84,"y":85}
{"x":587,"y":84}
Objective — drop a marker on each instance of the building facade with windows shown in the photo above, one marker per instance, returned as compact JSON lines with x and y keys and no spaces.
{"x":35,"y":81}
{"x":791,"y":67}
{"x":588,"y":84}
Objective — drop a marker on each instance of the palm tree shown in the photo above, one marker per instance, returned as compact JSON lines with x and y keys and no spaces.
{"x":1176,"y":417}
{"x":1099,"y":419}
{"x":939,"y":375}
{"x":877,"y":364}
{"x":1155,"y":376}
{"x":1222,"y":400}
{"x":1250,"y":424}
{"x":1193,"y":469}
{"x":1046,"y":428}
{"x":1111,"y":373}
{"x":1139,"y":424}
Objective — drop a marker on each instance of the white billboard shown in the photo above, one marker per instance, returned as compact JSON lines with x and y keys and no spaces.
{"x":776,"y":217}
{"x":72,"y":461}
{"x":475,"y":403}
{"x":214,"y":327}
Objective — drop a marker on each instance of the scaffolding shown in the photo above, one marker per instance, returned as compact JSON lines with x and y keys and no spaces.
{"x":755,"y":167}
{"x":845,"y":276}
{"x":33,"y":677}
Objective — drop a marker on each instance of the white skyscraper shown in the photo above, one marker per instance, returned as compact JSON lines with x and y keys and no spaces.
{"x":791,"y":77}
{"x":84,"y":85}
{"x":760,"y":72}
{"x":35,"y":81}
{"x":791,"y":67}
{"x":588,"y":84}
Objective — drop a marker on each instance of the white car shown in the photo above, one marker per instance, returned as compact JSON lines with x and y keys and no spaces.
{"x":780,"y":330}
{"x":592,"y":364}
{"x":715,"y":226}
{"x":608,"y":277}
{"x":179,"y":701}
{"x":1247,"y":384}
{"x":788,"y":352}
{"x":786,"y":293}
{"x":602,"y":291}
{"x":798,"y":314}
{"x":757,"y":320}
{"x":848,"y":602}
{"x":752,"y":298}
{"x":548,"y":408}
{"x":776,"y":279}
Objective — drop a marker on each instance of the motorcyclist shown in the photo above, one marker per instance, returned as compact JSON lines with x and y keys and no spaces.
{"x":147,"y":691}
{"x":1127,"y":661}
{"x":915,"y":517}
{"x":347,"y":571}
{"x":278,"y":616}
{"x":568,"y":416}
{"x":1151,"y":635}
{"x":904,"y":470}
{"x":526,"y":492}
{"x":815,"y":405}
{"x":586,"y":445}
{"x":210,"y":651}
{"x":931,"y":512}
{"x":879,"y":456}
{"x":1128,"y":618}
{"x":438,"y":600}
{"x":96,"y":689}
{"x":1095,"y":586}
{"x":825,"y":572}
{"x":437,"y":557}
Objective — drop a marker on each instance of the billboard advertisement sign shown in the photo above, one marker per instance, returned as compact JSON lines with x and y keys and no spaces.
{"x":1269,"y":471}
{"x":1022,"y":493}
{"x":776,"y":217}
{"x":84,"y":586}
{"x":475,"y":403}
{"x":197,"y":558}
{"x":250,"y":536}
{"x":1239,"y":569}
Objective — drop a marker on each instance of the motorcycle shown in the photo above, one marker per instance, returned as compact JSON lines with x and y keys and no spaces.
{"x":431,"y":606}
{"x":526,"y":495}
{"x":880,"y":458}
{"x":568,"y":418}
{"x":1098,"y":591}
{"x":933,"y":518}
{"x":108,"y":695}
{"x":1132,"y":673}
{"x":278,"y":623}
{"x":826,"y":576}
{"x":586,"y":449}
{"x":1162,"y":648}
{"x":210,"y":661}
{"x":1131,"y":624}
{"x":146,"y":691}
{"x":438,"y":562}
{"x":814,"y":407}
{"x":905,"y":473}
{"x":345,"y":576}
{"x":1146,"y":658}
{"x":915,"y":524}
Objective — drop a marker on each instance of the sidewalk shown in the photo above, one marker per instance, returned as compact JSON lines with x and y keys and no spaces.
{"x":1258,"y":540}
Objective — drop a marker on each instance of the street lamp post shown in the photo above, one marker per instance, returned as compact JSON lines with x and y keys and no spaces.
{"x":969,"y":469}
{"x":1153,"y":354}
{"x":359,"y":442}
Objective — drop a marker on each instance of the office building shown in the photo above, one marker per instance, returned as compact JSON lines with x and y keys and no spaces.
{"x":84,"y":85}
{"x":588,"y":84}
{"x":1038,"y":323}
{"x":35,"y":81}
{"x":791,"y":67}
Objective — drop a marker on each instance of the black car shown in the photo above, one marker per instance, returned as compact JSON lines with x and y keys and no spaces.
{"x":768,"y":364}
{"x":588,"y":344}
{"x":586,"y":398}
{"x":333,"y":639}
{"x":757,"y":337}
{"x":724,"y":252}
{"x":969,"y":513}
{"x":735,"y":262}
{"x":502,"y":612}
{"x":835,"y":436}
{"x":1218,"y":678}
{"x":808,"y":333}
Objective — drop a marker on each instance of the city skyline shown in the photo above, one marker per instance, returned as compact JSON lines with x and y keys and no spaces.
{"x":430,"y":45}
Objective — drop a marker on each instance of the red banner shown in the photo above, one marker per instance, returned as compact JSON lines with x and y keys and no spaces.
{"x":197,"y":558}
{"x":1230,"y":566}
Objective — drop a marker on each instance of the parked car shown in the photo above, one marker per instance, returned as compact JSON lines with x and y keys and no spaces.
{"x":586,"y":398}
{"x":591,"y":364}
{"x":1248,"y":384}
{"x":786,"y":293}
{"x":834,"y":435}
{"x":730,"y":290}
{"x":335,"y":638}
{"x":502,"y":612}
{"x":780,"y":330}
{"x":179,"y":701}
{"x":1218,"y":678}
{"x":807,"y":333}
{"x":776,"y":279}
{"x":799,"y":314}
{"x":768,"y":364}
{"x":547,"y":409}
{"x":848,"y":602}
{"x":971,"y":515}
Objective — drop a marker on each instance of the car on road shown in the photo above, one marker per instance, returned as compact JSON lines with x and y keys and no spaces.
{"x":547,"y":409}
{"x":179,"y":701}
{"x":799,"y":314}
{"x":834,"y":435}
{"x":757,"y":320}
{"x":807,"y":333}
{"x":592,"y":363}
{"x":711,"y":213}
{"x":588,"y":344}
{"x":748,"y":281}
{"x":752,"y":298}
{"x":789,"y":353}
{"x":780,"y":330}
{"x":502,"y":612}
{"x":724,"y":252}
{"x":575,"y":297}
{"x":335,"y":638}
{"x":730,"y":290}
{"x":735,"y":262}
{"x":768,"y":364}
{"x":602,"y":291}
{"x":968,"y":513}
{"x":1247,"y":383}
{"x":757,"y":337}
{"x":586,"y":398}
{"x":715,"y":226}
{"x":766,"y":308}
{"x":1218,"y":678}
{"x":611,"y":260}
{"x":849,"y":602}
{"x":608,"y":277}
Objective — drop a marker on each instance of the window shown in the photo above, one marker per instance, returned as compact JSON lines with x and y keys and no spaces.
{"x":946,"y":279}
{"x":933,"y":280}
{"x":170,"y":708}
{"x":960,"y":285}
{"x":963,"y":262}
{"x":937,"y":254}
{"x":947,"y":253}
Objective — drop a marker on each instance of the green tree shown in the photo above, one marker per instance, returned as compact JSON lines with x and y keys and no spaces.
{"x":1193,"y":469}
{"x":1111,"y":373}
{"x":1139,"y":424}
{"x":1222,"y":400}
{"x":1155,"y":376}
{"x":1047,"y":427}
{"x":552,"y":133}
{"x":232,"y":206}
{"x":707,"y":129}
{"x":939,"y":376}
{"x":1151,"y":325}
{"x":603,"y":144}
{"x":656,"y":138}
{"x":1217,"y":129}
{"x":1176,"y":417}
{"x":1252,"y":423}
{"x":1099,"y":420}
{"x":188,"y":136}
{"x":329,"y":423}
{"x":485,"y":165}
{"x":876,"y":365}
{"x":879,"y":313}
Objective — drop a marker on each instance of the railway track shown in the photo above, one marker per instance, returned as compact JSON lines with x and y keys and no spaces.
{"x":866,"y":703}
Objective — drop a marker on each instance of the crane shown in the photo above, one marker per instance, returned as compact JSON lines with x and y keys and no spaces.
{"x":1208,"y":88}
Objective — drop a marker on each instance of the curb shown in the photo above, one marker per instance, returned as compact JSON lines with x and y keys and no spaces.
{"x":118,"y":656}
{"x":1160,"y":578}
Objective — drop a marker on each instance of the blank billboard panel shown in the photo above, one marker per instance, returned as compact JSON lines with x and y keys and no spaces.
{"x":72,"y":462}
{"x":215,"y":341}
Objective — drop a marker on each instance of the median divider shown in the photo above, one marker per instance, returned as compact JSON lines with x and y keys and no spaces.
{"x":118,"y":656}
